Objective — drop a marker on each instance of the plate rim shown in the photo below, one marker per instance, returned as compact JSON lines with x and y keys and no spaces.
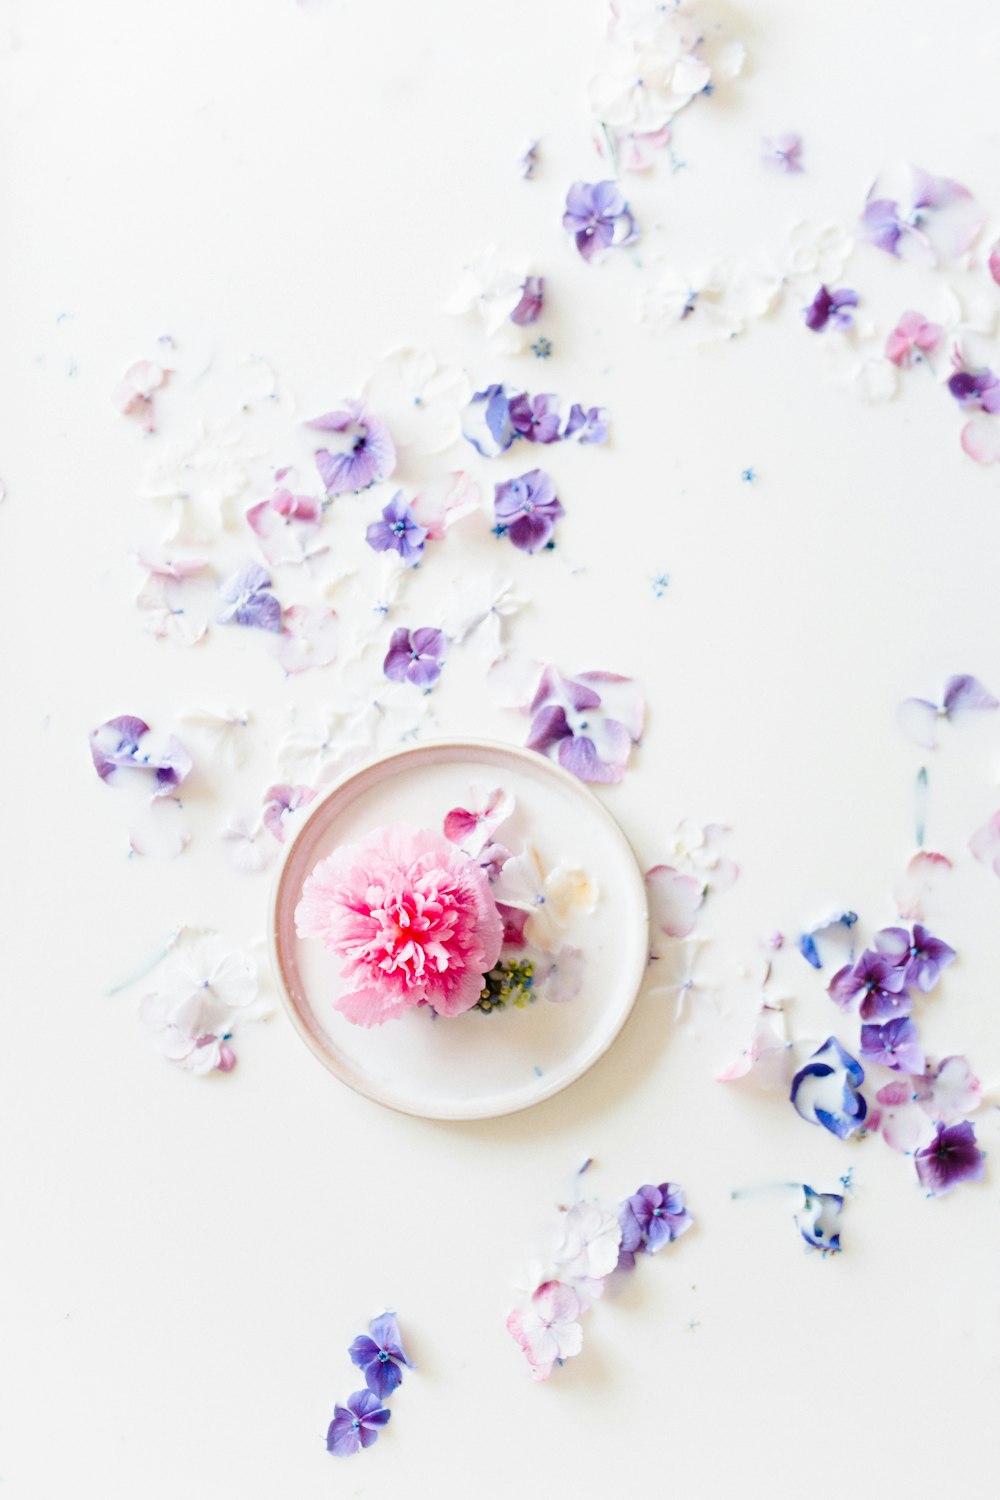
{"x":473,"y":744}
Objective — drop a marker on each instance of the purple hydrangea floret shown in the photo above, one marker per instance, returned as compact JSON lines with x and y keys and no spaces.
{"x":978,"y":389}
{"x":415,"y":656}
{"x":527,"y":510}
{"x":950,"y":1158}
{"x":356,"y":1425}
{"x":879,"y":980}
{"x":831,"y":308}
{"x":920,"y":955}
{"x":598,"y":218}
{"x":380,"y":1356}
{"x":398,"y":531}
{"x":247,"y":601}
{"x":895,"y":1044}
{"x":536,"y":418}
{"x":651,"y":1218}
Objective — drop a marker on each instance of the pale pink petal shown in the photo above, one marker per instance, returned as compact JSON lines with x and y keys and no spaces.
{"x":981,"y":437}
{"x":767,"y":1062}
{"x":985,"y":844}
{"x":919,"y":884}
{"x":898,"y":1117}
{"x":952,"y":1091}
{"x":309,"y":637}
{"x":443,"y":502}
{"x":674,"y":900}
{"x":556,"y":1302}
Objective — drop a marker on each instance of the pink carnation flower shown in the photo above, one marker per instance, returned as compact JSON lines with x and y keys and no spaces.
{"x":412,"y":918}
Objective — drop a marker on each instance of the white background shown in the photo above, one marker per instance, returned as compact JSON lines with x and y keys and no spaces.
{"x":185,"y":1261}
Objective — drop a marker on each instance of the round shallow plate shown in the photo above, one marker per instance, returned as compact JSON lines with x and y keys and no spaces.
{"x":474,"y":1065}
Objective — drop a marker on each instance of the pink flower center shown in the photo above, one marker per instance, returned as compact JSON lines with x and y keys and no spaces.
{"x":412,"y":933}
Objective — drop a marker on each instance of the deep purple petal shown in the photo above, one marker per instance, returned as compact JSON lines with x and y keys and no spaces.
{"x":342,"y":1437}
{"x":952,"y":1157}
{"x":532,"y":300}
{"x":399,"y":655}
{"x":530,"y":533}
{"x":385,"y":1331}
{"x":548,"y":726}
{"x":818,"y":312}
{"x":382,"y":1377}
{"x":363,"y":1350}
{"x":844,"y":987}
{"x":882,"y":1004}
{"x":429,"y":641}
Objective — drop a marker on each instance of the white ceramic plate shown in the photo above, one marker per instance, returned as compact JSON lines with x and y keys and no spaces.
{"x":474,"y":1065}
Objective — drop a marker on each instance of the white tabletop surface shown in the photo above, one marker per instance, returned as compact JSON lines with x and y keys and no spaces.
{"x":185,"y":1260}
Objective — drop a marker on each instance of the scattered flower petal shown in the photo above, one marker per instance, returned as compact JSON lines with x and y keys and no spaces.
{"x":247,"y":601}
{"x":379,"y":1355}
{"x":598,"y":218}
{"x":547,"y":1330}
{"x":364,"y":452}
{"x":826,"y":1091}
{"x":950,"y":1158}
{"x":527,"y":509}
{"x":133,"y":396}
{"x":281,"y":803}
{"x":818,"y":1220}
{"x":356,"y":1425}
{"x":895,"y":1044}
{"x":415,"y":656}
